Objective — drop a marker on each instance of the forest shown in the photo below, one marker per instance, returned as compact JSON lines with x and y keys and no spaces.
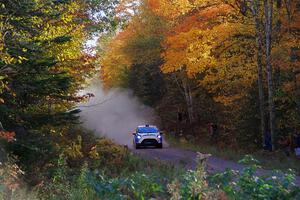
{"x":231,"y":63}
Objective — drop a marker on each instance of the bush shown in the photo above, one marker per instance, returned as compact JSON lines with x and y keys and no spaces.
{"x":247,"y":184}
{"x":194,"y":185}
{"x":10,"y":182}
{"x":145,"y":179}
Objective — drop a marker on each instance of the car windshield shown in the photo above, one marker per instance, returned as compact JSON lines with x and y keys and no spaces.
{"x":147,"y":130}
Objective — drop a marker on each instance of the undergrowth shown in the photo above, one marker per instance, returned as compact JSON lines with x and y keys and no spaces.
{"x":112,"y":172}
{"x":268,"y":160}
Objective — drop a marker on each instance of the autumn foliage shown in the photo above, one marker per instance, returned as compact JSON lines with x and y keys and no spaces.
{"x":8,"y":136}
{"x":209,"y":57}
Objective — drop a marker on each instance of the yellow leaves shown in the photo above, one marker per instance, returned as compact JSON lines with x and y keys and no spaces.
{"x":137,"y":44}
{"x":94,"y":153}
{"x":71,"y":13}
{"x":177,"y":50}
{"x":108,"y":152}
{"x":65,"y":26}
{"x":191,"y":49}
{"x":171,"y":8}
{"x":114,"y":62}
{"x":208,"y":42}
{"x":8,"y":59}
{"x":174,"y":9}
{"x":192,"y":43}
{"x":74,"y":149}
{"x":21,"y":59}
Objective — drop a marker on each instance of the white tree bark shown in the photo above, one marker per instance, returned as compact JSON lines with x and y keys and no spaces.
{"x":268,"y":9}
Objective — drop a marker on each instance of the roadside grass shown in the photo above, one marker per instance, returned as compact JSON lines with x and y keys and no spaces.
{"x":141,"y":178}
{"x":135,"y":163}
{"x":268,"y":160}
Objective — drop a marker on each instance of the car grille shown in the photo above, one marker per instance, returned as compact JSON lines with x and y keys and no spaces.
{"x":149,"y":142}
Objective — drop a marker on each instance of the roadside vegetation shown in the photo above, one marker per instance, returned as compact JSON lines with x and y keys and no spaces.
{"x":268,"y":160}
{"x":123,"y":175}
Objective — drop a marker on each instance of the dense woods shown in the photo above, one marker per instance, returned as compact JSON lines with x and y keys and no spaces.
{"x":43,"y":65}
{"x":233,"y":63}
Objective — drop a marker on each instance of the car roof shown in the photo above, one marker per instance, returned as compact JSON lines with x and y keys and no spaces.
{"x":146,"y":125}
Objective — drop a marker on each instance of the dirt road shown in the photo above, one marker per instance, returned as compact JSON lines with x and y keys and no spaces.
{"x":188,"y":159}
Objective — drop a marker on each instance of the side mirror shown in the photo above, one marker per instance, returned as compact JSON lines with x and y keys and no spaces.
{"x":133,"y":133}
{"x":161,"y":132}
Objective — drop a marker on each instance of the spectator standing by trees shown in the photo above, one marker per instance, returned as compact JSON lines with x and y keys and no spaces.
{"x":297,"y":144}
{"x":213,"y":131}
{"x":268,"y":142}
{"x":284,"y":144}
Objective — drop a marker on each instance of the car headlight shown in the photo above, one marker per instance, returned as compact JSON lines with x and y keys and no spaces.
{"x":159,"y":136}
{"x":139,"y":137}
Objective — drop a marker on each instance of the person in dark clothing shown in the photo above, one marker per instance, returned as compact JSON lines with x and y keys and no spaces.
{"x":297,"y":140}
{"x":179,"y":116}
{"x":297,"y":144}
{"x":284,"y":144}
{"x":268,"y":141}
{"x":210,"y":129}
{"x":213,"y":130}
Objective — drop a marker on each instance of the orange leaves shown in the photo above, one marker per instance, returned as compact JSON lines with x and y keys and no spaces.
{"x":191,"y":42}
{"x":8,"y":136}
{"x":175,"y":9}
{"x":138,"y":43}
{"x":115,"y":61}
{"x":209,"y":42}
{"x":204,"y":18}
{"x":154,"y":4}
{"x":170,"y":9}
{"x":176,"y":54}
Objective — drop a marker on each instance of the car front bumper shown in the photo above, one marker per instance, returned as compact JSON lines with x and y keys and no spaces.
{"x":148,"y":140}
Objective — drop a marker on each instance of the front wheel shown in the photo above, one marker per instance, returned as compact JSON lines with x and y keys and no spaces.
{"x":160,"y":146}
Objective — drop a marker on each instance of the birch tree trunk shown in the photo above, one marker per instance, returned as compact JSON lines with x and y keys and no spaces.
{"x":185,"y":89}
{"x":189,"y":99}
{"x":255,"y":12}
{"x":268,"y":9}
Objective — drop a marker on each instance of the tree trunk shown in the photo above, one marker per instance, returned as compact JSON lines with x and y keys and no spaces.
{"x":188,"y":99}
{"x":186,"y":91}
{"x":296,"y":91}
{"x":255,"y":12}
{"x":268,"y":8}
{"x":293,"y":66}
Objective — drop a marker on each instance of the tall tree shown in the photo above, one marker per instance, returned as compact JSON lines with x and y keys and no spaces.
{"x":43,"y":65}
{"x":255,"y":8}
{"x":132,"y":58}
{"x":268,"y":11}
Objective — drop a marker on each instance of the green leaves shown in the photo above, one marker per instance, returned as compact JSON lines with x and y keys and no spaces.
{"x":250,"y":184}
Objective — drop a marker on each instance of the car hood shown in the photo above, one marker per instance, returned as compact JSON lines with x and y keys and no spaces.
{"x":148,"y":134}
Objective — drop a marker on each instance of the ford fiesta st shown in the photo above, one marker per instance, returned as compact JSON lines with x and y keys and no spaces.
{"x":147,"y":135}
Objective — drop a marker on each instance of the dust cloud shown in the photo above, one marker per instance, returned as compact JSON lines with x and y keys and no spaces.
{"x":114,"y":114}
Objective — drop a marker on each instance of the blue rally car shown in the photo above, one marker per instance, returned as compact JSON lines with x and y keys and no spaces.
{"x":147,"y":135}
